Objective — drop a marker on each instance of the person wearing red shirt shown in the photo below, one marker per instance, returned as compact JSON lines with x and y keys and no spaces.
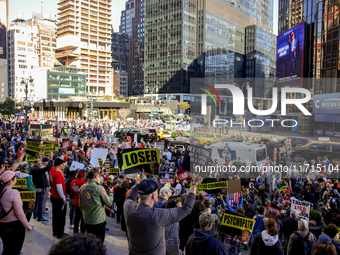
{"x":75,"y":187}
{"x":58,"y":198}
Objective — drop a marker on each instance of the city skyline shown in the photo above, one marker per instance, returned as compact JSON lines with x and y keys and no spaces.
{"x":50,"y":7}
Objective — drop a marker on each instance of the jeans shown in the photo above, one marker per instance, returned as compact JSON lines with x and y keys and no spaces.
{"x":77,"y":219}
{"x":38,"y":209}
{"x":97,"y":230}
{"x":58,"y":216}
{"x":13,"y":237}
{"x":113,"y":162}
{"x":72,"y":211}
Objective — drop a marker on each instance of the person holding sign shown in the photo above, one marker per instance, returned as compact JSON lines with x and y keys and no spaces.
{"x":13,"y":225}
{"x":145,"y":224}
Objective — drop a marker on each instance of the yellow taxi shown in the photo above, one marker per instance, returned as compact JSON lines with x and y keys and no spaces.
{"x":161,"y":134}
{"x":207,"y":137}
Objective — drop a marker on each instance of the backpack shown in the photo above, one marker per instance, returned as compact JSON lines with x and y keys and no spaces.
{"x":306,"y":245}
{"x":3,"y":213}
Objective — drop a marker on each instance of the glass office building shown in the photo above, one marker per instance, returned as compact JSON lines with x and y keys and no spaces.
{"x":63,"y":85}
{"x":205,"y":38}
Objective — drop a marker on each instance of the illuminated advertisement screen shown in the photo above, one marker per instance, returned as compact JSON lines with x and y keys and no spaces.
{"x":289,"y":57}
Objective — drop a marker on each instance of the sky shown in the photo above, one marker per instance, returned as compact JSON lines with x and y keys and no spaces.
{"x":50,"y":6}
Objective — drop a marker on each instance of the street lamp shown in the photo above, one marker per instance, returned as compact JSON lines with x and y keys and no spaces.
{"x":26,"y":103}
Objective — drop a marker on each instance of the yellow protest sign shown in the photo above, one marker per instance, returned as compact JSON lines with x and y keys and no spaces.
{"x":114,"y":170}
{"x":20,"y":183}
{"x":26,"y":196}
{"x":100,"y":161}
{"x":56,"y":146}
{"x":238,"y":222}
{"x":33,"y":145}
{"x":48,"y":148}
{"x":108,"y":181}
{"x":138,"y":158}
{"x":30,"y":158}
{"x":211,"y":186}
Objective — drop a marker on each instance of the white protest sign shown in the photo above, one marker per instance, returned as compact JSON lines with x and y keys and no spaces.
{"x":98,"y":154}
{"x":303,"y":207}
{"x":75,"y":165}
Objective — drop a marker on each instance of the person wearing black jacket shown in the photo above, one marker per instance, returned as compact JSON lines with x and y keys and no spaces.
{"x":41,"y":182}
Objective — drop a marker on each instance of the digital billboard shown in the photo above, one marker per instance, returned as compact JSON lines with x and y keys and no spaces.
{"x":289,"y":57}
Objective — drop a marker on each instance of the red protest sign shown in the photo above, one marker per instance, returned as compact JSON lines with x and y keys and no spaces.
{"x":183,"y":176}
{"x":66,"y":145}
{"x":165,"y":177}
{"x":273,"y":208}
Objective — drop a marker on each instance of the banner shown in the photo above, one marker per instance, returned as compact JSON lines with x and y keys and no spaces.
{"x":75,"y":165}
{"x":98,"y":154}
{"x":166,"y":177}
{"x":30,"y":158}
{"x":212,"y":187}
{"x":303,"y":207}
{"x":21,"y":183}
{"x":234,"y":224}
{"x":195,"y":158}
{"x":183,"y":176}
{"x":33,"y":148}
{"x":48,"y":148}
{"x":271,"y":208}
{"x":26,"y":196}
{"x":114,"y":170}
{"x":134,"y":160}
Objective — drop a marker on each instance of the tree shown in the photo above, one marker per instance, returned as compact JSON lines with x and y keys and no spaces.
{"x":183,"y":106}
{"x":108,"y":98}
{"x":123,"y":113}
{"x":121,"y":96}
{"x":7,"y":107}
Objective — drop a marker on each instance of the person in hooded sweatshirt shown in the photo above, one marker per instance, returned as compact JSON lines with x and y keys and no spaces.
{"x":267,"y":242}
{"x":202,"y":241}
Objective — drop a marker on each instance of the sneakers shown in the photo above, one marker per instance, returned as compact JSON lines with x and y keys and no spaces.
{"x":42,"y":219}
{"x":71,"y":226}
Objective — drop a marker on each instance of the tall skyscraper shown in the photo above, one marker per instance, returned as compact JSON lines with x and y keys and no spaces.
{"x":120,"y":51}
{"x":132,"y":24}
{"x":205,"y":38}
{"x":84,"y":41}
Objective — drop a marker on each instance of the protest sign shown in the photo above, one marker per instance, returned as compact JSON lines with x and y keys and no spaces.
{"x":98,"y":153}
{"x":66,"y":145}
{"x":33,"y":148}
{"x":30,"y":158}
{"x":196,"y":158}
{"x":271,"y":208}
{"x":183,"y":176}
{"x":134,"y":160}
{"x":26,"y":196}
{"x":270,"y":216}
{"x":114,"y":170}
{"x":21,"y":183}
{"x":75,"y":165}
{"x":211,"y":187}
{"x":303,"y":207}
{"x":234,"y":224}
{"x":48,"y":148}
{"x":132,"y":176}
{"x":108,"y":181}
{"x":56,"y":146}
{"x":100,"y":161}
{"x":83,"y":158}
{"x":234,"y":186}
{"x":166,"y":177}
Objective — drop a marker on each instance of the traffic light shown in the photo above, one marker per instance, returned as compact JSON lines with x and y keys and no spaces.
{"x":51,"y":104}
{"x":44,"y":103}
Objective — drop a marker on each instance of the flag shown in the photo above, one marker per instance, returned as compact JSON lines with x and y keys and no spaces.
{"x":234,"y":197}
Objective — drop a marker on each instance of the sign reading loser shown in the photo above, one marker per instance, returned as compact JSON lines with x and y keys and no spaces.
{"x":134,"y":160}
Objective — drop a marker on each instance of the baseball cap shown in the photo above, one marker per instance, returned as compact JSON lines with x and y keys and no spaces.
{"x":81,"y":172}
{"x":149,"y":186}
{"x":58,"y":162}
{"x":324,"y":239}
{"x":45,"y":159}
{"x":250,"y":201}
{"x":206,"y":219}
{"x":235,"y":203}
{"x":8,"y":175}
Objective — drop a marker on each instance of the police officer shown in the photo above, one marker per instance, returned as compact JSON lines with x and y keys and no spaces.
{"x":92,"y":201}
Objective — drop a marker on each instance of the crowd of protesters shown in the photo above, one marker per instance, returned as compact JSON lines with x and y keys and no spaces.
{"x":156,"y":218}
